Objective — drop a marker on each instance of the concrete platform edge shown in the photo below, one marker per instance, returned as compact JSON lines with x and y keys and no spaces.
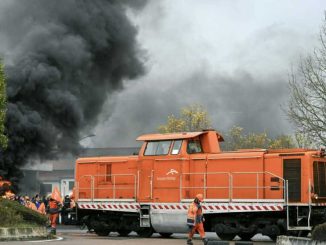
{"x":25,"y":233}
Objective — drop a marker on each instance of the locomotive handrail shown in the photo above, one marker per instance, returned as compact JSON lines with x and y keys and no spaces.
{"x":257,"y":181}
{"x":114,"y":186}
{"x":230,"y":186}
{"x":287,"y":203}
{"x":205,"y":183}
{"x":91,"y":188}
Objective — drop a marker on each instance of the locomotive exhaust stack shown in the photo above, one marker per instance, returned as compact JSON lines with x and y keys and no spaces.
{"x":272,"y":192}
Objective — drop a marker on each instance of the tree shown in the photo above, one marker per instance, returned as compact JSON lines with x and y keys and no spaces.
{"x":307,"y":103}
{"x":237,"y":139}
{"x":304,"y":141}
{"x":3,"y":107}
{"x":282,"y":141}
{"x":192,"y":118}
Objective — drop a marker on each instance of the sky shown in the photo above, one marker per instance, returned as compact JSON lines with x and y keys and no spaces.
{"x":232,"y":57}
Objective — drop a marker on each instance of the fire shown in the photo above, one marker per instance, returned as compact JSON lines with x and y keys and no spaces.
{"x":9,"y":195}
{"x":5,"y":191}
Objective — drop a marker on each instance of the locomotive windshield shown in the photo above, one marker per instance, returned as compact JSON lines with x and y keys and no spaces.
{"x":159,"y":148}
{"x":176,"y":147}
{"x":156,"y":148}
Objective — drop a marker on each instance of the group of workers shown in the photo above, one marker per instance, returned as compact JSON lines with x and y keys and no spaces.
{"x":51,"y":206}
{"x":46,"y":206}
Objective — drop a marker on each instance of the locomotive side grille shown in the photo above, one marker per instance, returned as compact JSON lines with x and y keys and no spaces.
{"x":320,"y":178}
{"x":292,"y":173}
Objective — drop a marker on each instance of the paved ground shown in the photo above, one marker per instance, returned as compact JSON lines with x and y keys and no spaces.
{"x":74,"y":236}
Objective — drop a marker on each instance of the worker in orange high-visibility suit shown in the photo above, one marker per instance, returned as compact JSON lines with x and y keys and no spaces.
{"x":29,"y":204}
{"x":54,"y":210}
{"x":195,"y":220}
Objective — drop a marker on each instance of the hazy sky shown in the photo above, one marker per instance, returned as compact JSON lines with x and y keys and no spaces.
{"x":232,"y":57}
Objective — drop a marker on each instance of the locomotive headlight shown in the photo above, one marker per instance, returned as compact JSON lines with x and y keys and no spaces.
{"x":316,"y":196}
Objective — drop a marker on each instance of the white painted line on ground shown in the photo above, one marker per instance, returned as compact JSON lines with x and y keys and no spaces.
{"x":57,"y":239}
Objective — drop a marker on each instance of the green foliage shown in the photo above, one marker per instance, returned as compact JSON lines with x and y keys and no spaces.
{"x":192,"y":118}
{"x":281,"y":141}
{"x":319,"y":233}
{"x":3,"y":107}
{"x":304,"y":141}
{"x":237,"y":139}
{"x":15,"y":214}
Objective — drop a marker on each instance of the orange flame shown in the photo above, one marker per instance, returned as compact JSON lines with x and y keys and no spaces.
{"x":9,"y":194}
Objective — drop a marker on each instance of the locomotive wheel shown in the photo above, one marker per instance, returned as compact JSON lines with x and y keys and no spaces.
{"x":303,"y":233}
{"x":165,"y":235}
{"x":145,"y":232}
{"x":246,"y":236}
{"x":273,"y":231}
{"x":123,"y":232}
{"x":226,"y":236}
{"x":273,"y":237}
{"x":102,"y":232}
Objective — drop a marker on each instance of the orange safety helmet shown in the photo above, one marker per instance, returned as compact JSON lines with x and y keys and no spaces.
{"x":200,"y":197}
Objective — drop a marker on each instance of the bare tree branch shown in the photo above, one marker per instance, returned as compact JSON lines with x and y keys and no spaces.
{"x":307,"y":103}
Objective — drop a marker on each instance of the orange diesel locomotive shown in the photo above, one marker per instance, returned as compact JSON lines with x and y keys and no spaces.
{"x":245,"y":192}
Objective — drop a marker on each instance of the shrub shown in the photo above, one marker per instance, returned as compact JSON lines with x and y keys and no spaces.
{"x":13,"y":213}
{"x":319,"y":233}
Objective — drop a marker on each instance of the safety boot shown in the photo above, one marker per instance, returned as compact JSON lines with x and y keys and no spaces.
{"x":189,"y":241}
{"x":53,"y":231}
{"x":205,"y":241}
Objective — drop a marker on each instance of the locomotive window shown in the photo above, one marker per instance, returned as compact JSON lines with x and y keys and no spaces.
{"x":176,"y":147}
{"x":108,"y":172}
{"x":194,"y":147}
{"x":104,"y":168}
{"x":155,"y":148}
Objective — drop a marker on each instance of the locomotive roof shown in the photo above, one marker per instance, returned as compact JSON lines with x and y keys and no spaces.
{"x":174,"y":136}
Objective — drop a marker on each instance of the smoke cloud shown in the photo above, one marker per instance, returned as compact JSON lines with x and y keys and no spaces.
{"x":62,"y":59}
{"x":232,"y":57}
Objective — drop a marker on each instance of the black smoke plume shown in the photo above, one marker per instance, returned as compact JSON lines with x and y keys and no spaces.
{"x":62,"y":59}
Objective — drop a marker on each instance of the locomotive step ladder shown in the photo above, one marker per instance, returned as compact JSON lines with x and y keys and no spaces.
{"x":298,"y":216}
{"x":144,"y":216}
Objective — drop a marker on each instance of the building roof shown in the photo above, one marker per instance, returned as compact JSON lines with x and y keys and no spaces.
{"x":112,"y":151}
{"x":67,"y":161}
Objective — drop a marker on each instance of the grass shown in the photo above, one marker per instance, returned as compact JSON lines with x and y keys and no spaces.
{"x":14,"y":214}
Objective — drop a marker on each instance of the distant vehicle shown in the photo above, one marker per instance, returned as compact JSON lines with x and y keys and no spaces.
{"x":246,"y":192}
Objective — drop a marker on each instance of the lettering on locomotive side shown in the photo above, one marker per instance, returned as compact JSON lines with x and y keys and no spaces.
{"x":166,"y":178}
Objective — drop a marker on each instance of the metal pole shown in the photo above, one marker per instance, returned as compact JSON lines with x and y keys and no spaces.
{"x":180,"y":187}
{"x":135,"y":187}
{"x":257,"y":186}
{"x":113,"y":186}
{"x":151,"y":183}
{"x":287,"y":206}
{"x":231,"y":187}
{"x":77,"y":191}
{"x":309,"y":192}
{"x":92,"y":188}
{"x":205,"y":185}
{"x":138,"y":182}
